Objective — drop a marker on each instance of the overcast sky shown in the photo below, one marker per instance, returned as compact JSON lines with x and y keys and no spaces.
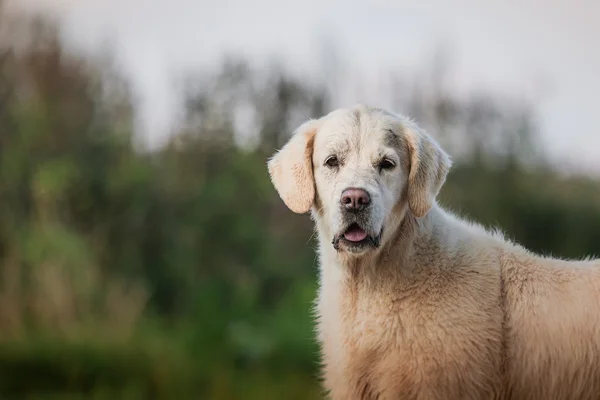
{"x":509,"y":46}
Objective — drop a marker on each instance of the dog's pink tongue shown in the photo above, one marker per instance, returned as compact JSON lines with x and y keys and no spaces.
{"x":355,"y":234}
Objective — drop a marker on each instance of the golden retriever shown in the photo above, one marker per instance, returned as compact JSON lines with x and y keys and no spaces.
{"x":416,"y":303}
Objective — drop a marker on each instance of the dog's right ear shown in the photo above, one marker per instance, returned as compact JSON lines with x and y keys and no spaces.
{"x":291,"y":169}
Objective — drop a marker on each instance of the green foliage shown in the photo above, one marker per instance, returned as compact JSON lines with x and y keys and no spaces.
{"x":179,"y":273}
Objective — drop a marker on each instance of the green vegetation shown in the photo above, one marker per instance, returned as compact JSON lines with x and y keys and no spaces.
{"x":178,"y":273}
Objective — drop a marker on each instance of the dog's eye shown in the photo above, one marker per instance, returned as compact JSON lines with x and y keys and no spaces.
{"x":332,"y":161}
{"x":386,"y":164}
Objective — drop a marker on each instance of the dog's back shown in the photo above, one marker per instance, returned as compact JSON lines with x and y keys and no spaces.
{"x":552,"y":330}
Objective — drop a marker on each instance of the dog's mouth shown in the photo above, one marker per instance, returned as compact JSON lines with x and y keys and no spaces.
{"x":355,"y":234}
{"x":355,"y":239}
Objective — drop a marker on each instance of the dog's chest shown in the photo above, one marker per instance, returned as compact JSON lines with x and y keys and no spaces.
{"x":392,"y":340}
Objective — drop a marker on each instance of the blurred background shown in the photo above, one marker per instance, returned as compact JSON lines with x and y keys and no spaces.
{"x":144,"y":253}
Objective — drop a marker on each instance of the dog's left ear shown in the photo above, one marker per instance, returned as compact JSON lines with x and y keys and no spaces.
{"x":429,"y":166}
{"x":291,"y":169}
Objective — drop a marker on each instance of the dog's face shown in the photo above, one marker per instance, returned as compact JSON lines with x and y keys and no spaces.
{"x":359,"y":170}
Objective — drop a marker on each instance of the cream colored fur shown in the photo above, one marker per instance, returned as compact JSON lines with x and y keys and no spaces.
{"x":442,"y":309}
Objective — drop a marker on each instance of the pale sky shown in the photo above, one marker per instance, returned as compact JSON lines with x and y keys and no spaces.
{"x":507,"y":46}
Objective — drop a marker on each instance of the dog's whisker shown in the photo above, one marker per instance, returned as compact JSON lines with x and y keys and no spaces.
{"x":311,"y":236}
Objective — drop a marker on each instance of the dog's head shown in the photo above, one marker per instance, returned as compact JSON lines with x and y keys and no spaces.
{"x":359,"y":170}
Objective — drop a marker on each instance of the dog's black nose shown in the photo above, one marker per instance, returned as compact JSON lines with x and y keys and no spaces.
{"x":354,"y":199}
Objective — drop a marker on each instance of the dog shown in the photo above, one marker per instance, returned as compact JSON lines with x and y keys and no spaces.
{"x":415,"y":302}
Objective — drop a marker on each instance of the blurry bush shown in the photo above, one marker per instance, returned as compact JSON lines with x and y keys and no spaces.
{"x":178,"y":273}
